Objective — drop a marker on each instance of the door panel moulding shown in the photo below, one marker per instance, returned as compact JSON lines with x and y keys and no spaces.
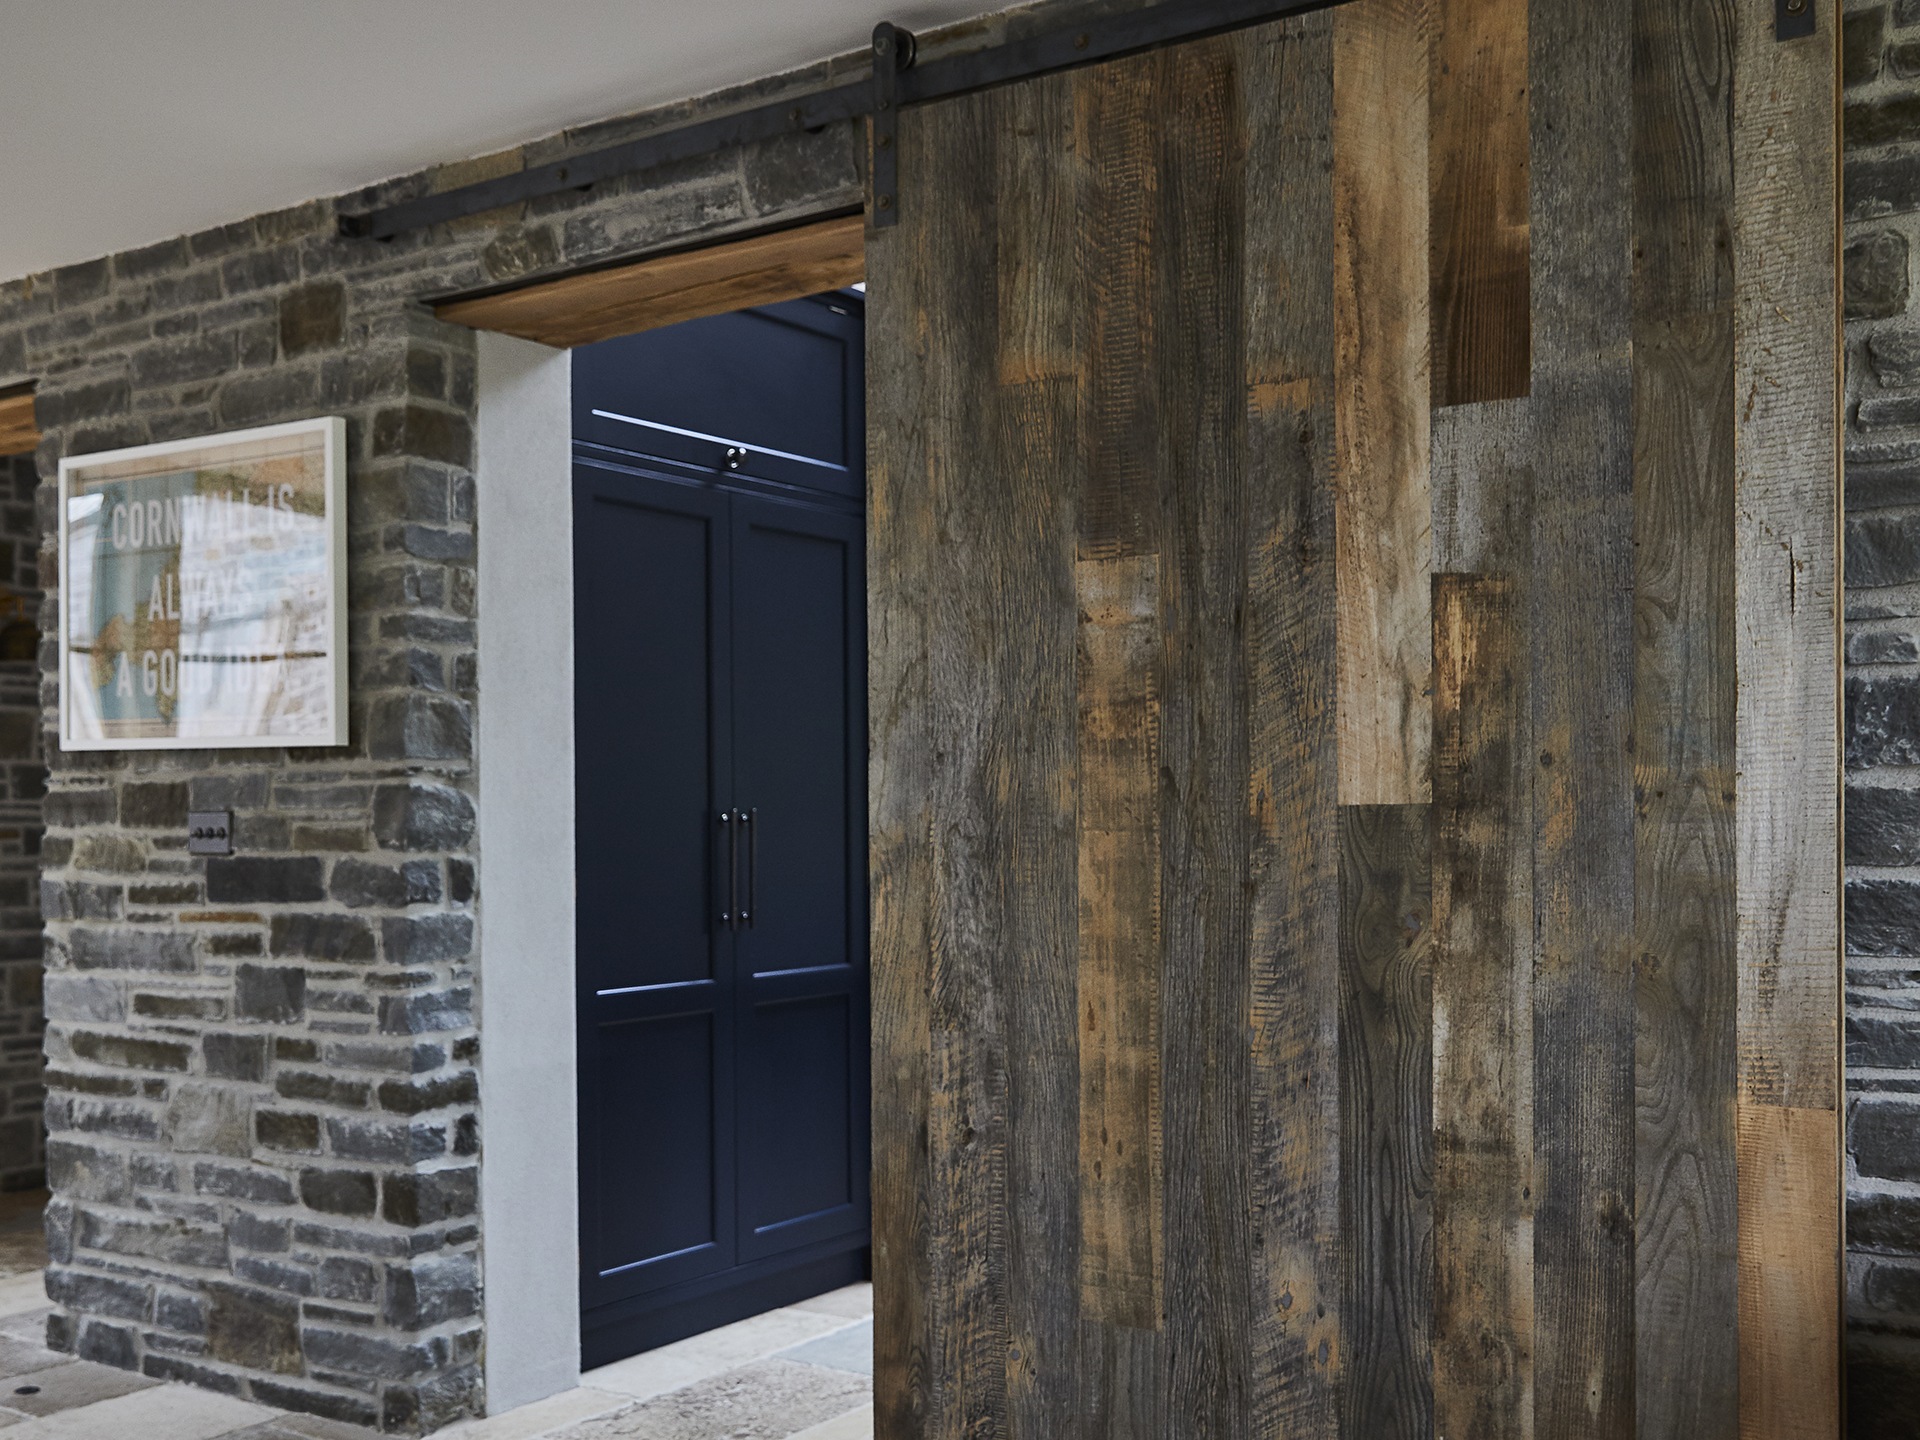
{"x":19,"y":432}
{"x":665,"y":289}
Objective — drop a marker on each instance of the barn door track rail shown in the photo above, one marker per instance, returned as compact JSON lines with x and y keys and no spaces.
{"x":896,"y":82}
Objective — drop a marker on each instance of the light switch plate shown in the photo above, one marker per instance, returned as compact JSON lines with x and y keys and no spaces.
{"x":210,"y":832}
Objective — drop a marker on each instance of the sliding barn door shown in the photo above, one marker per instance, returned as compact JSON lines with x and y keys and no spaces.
{"x":1354,"y":770}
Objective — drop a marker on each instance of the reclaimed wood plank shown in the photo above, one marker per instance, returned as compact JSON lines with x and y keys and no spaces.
{"x":19,"y":430}
{"x":1482,"y":1011}
{"x":902,"y":536}
{"x":1292,"y":793}
{"x":1477,"y":202}
{"x":1386,"y":1119}
{"x":1686,"y":1322}
{"x":1035,"y":414}
{"x":1482,"y":489}
{"x":1786,"y":489}
{"x":1581,"y":602}
{"x":1383,"y":503}
{"x":1199,"y":471}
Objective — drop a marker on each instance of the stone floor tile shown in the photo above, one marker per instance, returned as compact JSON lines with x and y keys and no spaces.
{"x":855,"y":1302}
{"x":850,"y":1349}
{"x":303,"y":1427}
{"x":69,"y":1386}
{"x":22,"y":1293}
{"x":768,"y":1400}
{"x":540,"y":1418}
{"x":23,"y":1357}
{"x":166,"y":1412}
{"x":854,"y":1425}
{"x":655,"y":1372}
{"x":28,"y":1325}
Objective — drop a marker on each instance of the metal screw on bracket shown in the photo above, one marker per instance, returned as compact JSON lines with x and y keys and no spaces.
{"x":1792,"y":19}
{"x":736,"y":457}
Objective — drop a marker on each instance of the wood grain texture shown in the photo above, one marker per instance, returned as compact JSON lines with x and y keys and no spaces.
{"x":1381,"y":344}
{"x":1786,"y":439}
{"x":666,"y":289}
{"x":1482,"y":489}
{"x":1684,"y":685}
{"x":1786,"y":504}
{"x":19,"y":431}
{"x":1121,"y":1175}
{"x":1297,"y":1346}
{"x":1037,"y":434}
{"x":1790,"y":1297}
{"x":1386,"y":1120}
{"x":1483,"y":1124}
{"x":1581,"y":603}
{"x":1477,"y":202}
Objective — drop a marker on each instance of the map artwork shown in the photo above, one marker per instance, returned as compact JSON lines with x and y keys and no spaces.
{"x":201,"y":592}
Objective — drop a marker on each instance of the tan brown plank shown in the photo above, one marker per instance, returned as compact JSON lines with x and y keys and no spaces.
{"x":1120,"y":1156}
{"x":1686,"y":1324}
{"x":1478,"y":242}
{"x":1291,"y":796}
{"x":1482,"y":1013}
{"x":1381,"y":429}
{"x":1786,"y":438}
{"x":1580,"y":593}
{"x":1790,"y":1273}
{"x":666,"y":289}
{"x":1386,"y":1119}
{"x":19,"y":432}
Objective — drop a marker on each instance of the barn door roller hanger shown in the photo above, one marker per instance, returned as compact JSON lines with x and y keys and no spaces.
{"x":908,"y":80}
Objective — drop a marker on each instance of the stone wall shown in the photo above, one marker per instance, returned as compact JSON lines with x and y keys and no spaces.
{"x":1882,"y":49}
{"x":261,"y":1070}
{"x":23,"y":781}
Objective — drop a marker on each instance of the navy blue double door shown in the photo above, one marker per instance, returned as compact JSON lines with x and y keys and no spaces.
{"x":720,"y":792}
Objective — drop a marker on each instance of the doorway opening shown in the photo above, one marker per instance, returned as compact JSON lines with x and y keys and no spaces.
{"x":720,"y":802}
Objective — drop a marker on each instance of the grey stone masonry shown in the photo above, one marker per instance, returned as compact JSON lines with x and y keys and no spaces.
{"x":1882,"y":118}
{"x":261,"y":1070}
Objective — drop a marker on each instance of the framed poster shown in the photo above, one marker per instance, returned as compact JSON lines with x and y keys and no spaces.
{"x":203,"y":592}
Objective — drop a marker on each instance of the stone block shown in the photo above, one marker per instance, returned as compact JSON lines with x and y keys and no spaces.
{"x":98,"y":1294}
{"x":1880,"y":185}
{"x":1882,"y":647}
{"x":1863,"y":38}
{"x":294,"y":1132}
{"x":322,"y":1088}
{"x":441,"y":1093}
{"x":419,"y":727}
{"x":235,"y":1057}
{"x":158,"y":805}
{"x":387,"y":1141}
{"x":210,"y":1120}
{"x":256,"y":1183}
{"x":273,"y":993}
{"x":1883,"y":1388}
{"x":1883,"y":1042}
{"x":349,"y":1409}
{"x":79,"y":1171}
{"x":339,"y":1192}
{"x":1884,"y":1138}
{"x":432,"y":1291}
{"x":180,"y":1312}
{"x":106,"y":1344}
{"x":259,"y":1233}
{"x":427,"y":939}
{"x":265,"y":880}
{"x":323,"y":937}
{"x":172,"y":1241}
{"x":422,"y":432}
{"x":130,"y":1051}
{"x":136,"y":948}
{"x":253,"y":1328}
{"x":376,"y":1357}
{"x":360,"y":884}
{"x":98,"y":998}
{"x":342,"y":1277}
{"x":312,"y":318}
{"x":1883,"y":825}
{"x":427,"y":1197}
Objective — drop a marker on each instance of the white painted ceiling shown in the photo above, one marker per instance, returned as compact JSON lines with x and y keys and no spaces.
{"x":124,"y":122}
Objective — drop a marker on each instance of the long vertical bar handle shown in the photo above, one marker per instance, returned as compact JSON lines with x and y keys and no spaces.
{"x":751,"y":819}
{"x":728,"y":915}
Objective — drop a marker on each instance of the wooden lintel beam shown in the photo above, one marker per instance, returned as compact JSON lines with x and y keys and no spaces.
{"x":19,"y":432}
{"x":664,"y":290}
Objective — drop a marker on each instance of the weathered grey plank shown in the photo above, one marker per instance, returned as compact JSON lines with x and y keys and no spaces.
{"x":1293,"y":781}
{"x":1383,"y":504}
{"x":1386,"y":1119}
{"x":1580,"y":595}
{"x":1685,"y":1311}
{"x":1482,"y":1011}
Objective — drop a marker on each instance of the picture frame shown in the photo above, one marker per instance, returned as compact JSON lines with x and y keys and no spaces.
{"x":202,"y":592}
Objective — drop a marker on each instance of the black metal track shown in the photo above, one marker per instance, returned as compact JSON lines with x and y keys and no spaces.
{"x":1103,"y":38}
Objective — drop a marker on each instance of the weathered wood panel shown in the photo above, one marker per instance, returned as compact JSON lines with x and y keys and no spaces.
{"x":19,"y":431}
{"x":1383,"y":505}
{"x":1482,"y":330}
{"x":1580,"y":595}
{"x":1386,"y":1119}
{"x":1482,"y":1012}
{"x":1685,"y":982}
{"x":1298,"y":1347}
{"x":1786,"y":503}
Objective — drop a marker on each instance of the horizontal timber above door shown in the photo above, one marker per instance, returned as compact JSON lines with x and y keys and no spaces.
{"x":1354,"y":758}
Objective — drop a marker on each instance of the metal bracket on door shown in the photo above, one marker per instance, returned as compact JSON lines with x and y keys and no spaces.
{"x":732,"y":822}
{"x":1792,"y":19}
{"x":892,"y":52}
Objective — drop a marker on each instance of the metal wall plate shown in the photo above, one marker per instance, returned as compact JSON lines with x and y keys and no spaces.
{"x":209,"y":832}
